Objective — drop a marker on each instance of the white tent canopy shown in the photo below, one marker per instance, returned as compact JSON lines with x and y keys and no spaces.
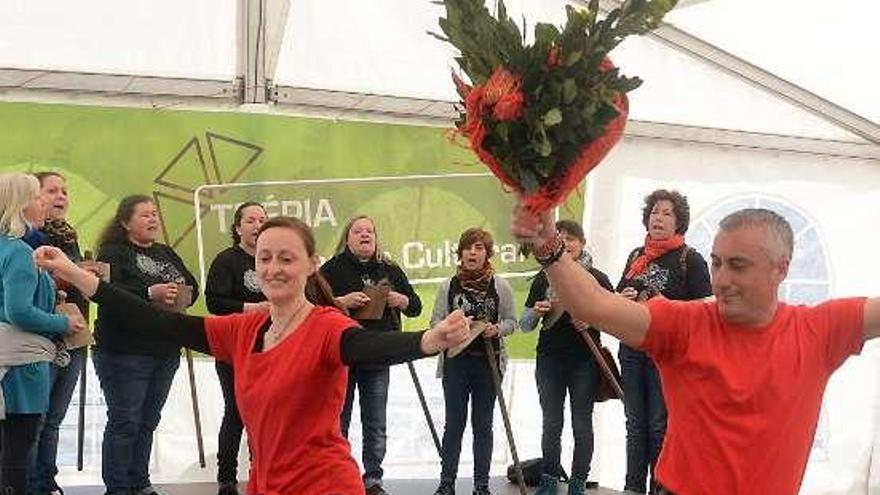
{"x":784,"y":68}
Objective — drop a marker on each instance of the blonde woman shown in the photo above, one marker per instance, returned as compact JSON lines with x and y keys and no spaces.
{"x":28,"y":300}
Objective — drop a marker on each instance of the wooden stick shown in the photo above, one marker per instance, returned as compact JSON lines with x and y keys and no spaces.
{"x":606,"y":370}
{"x":194,"y":395}
{"x":496,"y":380}
{"x":424,"y":403}
{"x":81,"y":410}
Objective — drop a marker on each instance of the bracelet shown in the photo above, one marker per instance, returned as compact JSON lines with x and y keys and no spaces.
{"x":554,"y":252}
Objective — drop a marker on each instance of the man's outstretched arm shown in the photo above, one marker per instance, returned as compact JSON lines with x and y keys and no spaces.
{"x":580,"y":293}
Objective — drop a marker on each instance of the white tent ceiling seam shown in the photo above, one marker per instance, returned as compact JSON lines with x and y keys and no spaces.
{"x":764,"y":80}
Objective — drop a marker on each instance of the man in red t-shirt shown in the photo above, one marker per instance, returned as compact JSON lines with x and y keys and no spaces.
{"x":743,"y":375}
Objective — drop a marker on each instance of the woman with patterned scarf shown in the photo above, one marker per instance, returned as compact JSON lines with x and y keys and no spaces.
{"x":56,"y":231}
{"x":564,"y":364}
{"x":486,"y":298}
{"x":663,"y":265}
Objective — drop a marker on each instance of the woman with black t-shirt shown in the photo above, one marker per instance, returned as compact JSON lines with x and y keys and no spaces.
{"x":564,"y":364}
{"x":135,"y":368}
{"x":358,"y":267}
{"x":663,"y":265}
{"x":232,"y":287}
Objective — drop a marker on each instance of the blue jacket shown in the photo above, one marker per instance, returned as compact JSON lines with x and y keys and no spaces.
{"x":28,"y":301}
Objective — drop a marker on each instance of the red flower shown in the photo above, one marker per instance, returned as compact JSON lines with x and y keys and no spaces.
{"x":509,"y":107}
{"x":502,"y":91}
{"x":501,"y":83}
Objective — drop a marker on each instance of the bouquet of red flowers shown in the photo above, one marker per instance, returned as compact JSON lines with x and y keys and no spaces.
{"x":541,"y":116}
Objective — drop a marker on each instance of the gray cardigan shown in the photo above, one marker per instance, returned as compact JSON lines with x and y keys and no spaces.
{"x":18,"y":348}
{"x":506,"y":315}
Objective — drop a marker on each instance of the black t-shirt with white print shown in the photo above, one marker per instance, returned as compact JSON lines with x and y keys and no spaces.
{"x":134,"y":269}
{"x":232,"y":281}
{"x":680,"y":274}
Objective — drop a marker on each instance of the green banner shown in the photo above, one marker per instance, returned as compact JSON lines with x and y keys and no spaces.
{"x":422,"y":189}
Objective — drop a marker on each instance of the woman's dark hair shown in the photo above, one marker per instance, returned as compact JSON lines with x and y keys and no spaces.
{"x":572,"y":228}
{"x":474,"y":235}
{"x":680,"y":207}
{"x":114,"y":232}
{"x":317,"y":289}
{"x":42,"y":176}
{"x":236,"y":218}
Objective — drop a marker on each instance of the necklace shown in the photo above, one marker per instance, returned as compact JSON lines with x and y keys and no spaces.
{"x":274,"y":334}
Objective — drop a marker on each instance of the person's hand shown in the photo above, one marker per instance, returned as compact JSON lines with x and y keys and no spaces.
{"x":543,"y":307}
{"x":630,"y":293}
{"x":491,"y":330}
{"x":581,"y":326}
{"x":164,"y":293}
{"x":75,"y":323}
{"x":535,"y":231}
{"x":453,"y":330}
{"x":54,"y":260}
{"x":91,"y":267}
{"x":354,"y":300}
{"x":397,"y":300}
{"x":257,"y":306}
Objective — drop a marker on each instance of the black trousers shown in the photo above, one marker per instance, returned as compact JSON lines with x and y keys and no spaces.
{"x":18,"y":438}
{"x":229,"y":439}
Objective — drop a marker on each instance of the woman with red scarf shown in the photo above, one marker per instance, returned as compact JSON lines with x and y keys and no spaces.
{"x":665,"y":266}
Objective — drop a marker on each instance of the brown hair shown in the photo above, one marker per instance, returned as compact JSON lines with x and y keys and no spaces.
{"x":680,"y":207}
{"x":472,"y":236}
{"x":42,"y":176}
{"x":236,"y":219}
{"x":317,"y":289}
{"x":114,"y":232}
{"x":572,"y":228}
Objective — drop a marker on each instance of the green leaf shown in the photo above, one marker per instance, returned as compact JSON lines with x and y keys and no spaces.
{"x":528,"y":181}
{"x":545,"y":148}
{"x":544,"y":166}
{"x":573,"y":58}
{"x":569,"y":91}
{"x":503,"y":130}
{"x":546,"y":34}
{"x":552,"y":118}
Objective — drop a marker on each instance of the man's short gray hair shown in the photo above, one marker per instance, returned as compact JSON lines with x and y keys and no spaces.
{"x":773,"y":223}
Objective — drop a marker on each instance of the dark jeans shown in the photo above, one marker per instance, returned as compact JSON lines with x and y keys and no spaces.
{"x":372,"y":385}
{"x":18,"y":438}
{"x":229,"y":439}
{"x":580,"y":378}
{"x":467,"y":376}
{"x":135,"y":388}
{"x":645,"y":416}
{"x":63,"y":381}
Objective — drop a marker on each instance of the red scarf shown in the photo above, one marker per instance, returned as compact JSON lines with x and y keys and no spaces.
{"x":653,"y":250}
